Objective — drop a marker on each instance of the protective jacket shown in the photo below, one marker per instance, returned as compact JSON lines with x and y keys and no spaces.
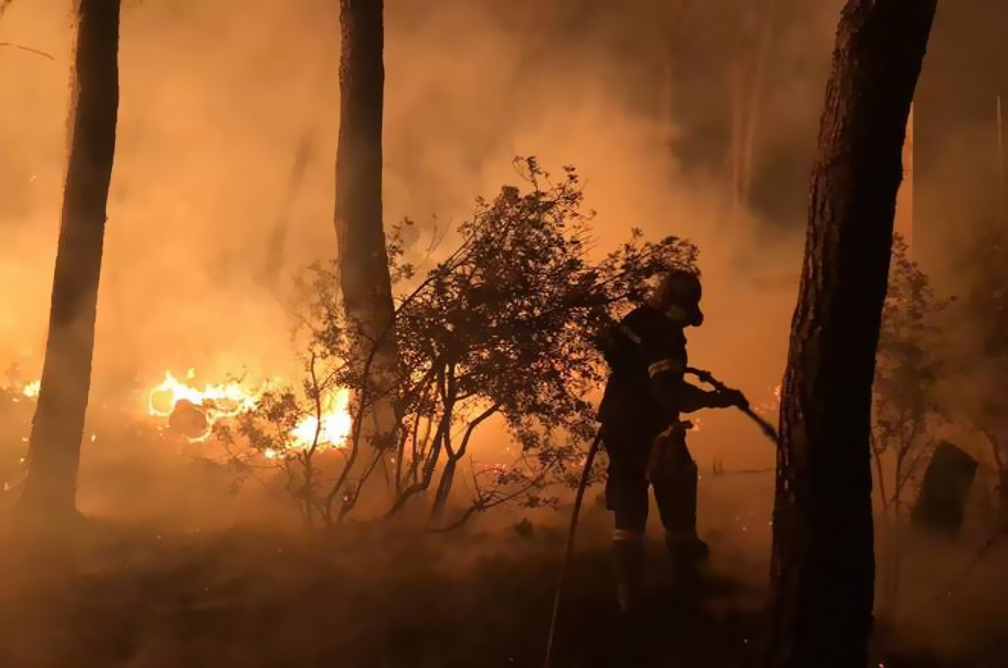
{"x":646,"y":390}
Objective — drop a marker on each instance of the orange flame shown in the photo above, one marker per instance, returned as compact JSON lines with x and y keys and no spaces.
{"x":231,"y":399}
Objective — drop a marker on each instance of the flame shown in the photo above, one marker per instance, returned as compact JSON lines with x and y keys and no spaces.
{"x":334,"y":427}
{"x":17,"y":391}
{"x":231,"y":399}
{"x":215,"y":401}
{"x":31,"y":390}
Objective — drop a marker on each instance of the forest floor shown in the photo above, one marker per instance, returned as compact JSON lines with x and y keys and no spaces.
{"x":244,"y":599}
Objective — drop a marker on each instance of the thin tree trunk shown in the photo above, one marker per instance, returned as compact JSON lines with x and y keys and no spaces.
{"x":671,"y":47}
{"x":896,"y":558}
{"x":738,"y":125}
{"x":1002,"y":495}
{"x":823,"y":566}
{"x":58,"y":426}
{"x":887,"y":525}
{"x":444,"y":487}
{"x":363,"y":256}
{"x":752,"y":110}
{"x":1001,"y":468}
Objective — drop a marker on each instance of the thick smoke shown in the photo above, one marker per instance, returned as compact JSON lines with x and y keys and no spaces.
{"x":215,"y":103}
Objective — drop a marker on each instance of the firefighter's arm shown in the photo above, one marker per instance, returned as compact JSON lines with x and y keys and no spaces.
{"x":676,"y":395}
{"x":673,"y":392}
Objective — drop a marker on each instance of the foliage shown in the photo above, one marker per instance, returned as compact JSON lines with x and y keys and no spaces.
{"x":983,"y":309}
{"x":908,"y":366}
{"x":986,"y":299}
{"x":270,"y":430}
{"x":500,"y":330}
{"x":905,"y":405}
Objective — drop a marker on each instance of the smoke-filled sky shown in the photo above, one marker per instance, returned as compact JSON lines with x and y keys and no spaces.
{"x":215,"y":101}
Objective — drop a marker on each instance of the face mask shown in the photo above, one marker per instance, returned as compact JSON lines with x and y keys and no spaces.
{"x":684,"y":317}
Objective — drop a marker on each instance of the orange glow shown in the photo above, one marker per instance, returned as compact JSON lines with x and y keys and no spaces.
{"x":227,"y":400}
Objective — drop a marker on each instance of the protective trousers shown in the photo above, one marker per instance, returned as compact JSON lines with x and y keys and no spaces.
{"x":673,"y":474}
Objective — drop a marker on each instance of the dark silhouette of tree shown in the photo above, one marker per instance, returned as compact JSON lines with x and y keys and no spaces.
{"x":58,"y":426}
{"x":363,"y":258}
{"x":823,"y":563}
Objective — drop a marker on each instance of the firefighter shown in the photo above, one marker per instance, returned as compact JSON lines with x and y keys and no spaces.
{"x":643,"y":434}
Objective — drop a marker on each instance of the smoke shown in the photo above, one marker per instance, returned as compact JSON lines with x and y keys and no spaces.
{"x":214,"y":104}
{"x":216,"y":98}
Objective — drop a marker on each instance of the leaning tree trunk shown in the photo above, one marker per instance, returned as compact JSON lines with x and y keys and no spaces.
{"x":363,"y":258}
{"x":823,"y":568}
{"x":58,"y":426}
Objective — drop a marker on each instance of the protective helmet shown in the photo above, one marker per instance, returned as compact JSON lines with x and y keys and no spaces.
{"x":678,"y":296}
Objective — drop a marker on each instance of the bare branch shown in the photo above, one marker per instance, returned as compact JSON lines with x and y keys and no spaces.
{"x":29,"y":49}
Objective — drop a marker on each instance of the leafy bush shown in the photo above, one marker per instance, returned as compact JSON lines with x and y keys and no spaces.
{"x":500,"y":329}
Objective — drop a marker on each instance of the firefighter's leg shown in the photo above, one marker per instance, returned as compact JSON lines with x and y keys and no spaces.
{"x":627,"y":497}
{"x":676,"y":496}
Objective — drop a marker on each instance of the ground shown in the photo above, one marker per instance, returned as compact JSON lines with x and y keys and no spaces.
{"x":247,"y":599}
{"x":191,"y":573}
{"x":256,"y":599}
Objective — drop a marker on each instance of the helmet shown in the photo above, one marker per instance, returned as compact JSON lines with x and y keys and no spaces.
{"x":678,"y":296}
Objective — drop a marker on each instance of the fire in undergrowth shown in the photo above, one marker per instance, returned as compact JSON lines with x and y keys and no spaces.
{"x":194,"y":410}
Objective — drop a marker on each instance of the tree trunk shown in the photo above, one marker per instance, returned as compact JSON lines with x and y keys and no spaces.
{"x":738,"y":118}
{"x":823,"y":567}
{"x":896,"y":556}
{"x":58,"y":426}
{"x":363,"y":257}
{"x":444,"y":487}
{"x":1002,"y":495}
{"x":671,"y":47}
{"x":755,"y":102}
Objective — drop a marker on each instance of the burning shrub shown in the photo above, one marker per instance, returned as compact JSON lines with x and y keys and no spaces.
{"x":500,"y":329}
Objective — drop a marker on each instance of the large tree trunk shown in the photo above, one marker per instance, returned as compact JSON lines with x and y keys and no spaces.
{"x":823,"y":568}
{"x":58,"y":426}
{"x":363,"y":257}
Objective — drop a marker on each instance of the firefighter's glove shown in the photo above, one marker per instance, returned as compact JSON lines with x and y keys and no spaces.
{"x":728,"y":398}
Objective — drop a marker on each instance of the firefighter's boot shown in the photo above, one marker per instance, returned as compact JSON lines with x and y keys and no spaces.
{"x":687,"y":553}
{"x":628,"y":558}
{"x":687,"y":550}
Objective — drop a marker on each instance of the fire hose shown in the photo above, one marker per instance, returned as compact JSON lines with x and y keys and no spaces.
{"x":707,"y":377}
{"x":704,"y":377}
